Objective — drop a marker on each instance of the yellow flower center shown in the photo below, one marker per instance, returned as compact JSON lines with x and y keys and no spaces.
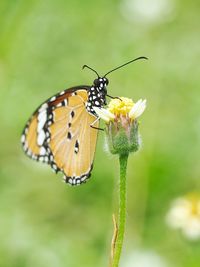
{"x":195,"y":204}
{"x":120,"y":106}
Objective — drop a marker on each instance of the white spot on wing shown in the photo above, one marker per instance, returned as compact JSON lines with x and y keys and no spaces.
{"x":70,"y":180}
{"x":42,"y":117}
{"x":59,"y":105}
{"x":23,"y":138}
{"x":42,"y":151}
{"x":25,"y":146}
{"x":46,"y":159}
{"x":29,"y":152}
{"x":83,"y":178}
{"x":41,"y":137}
{"x":53,"y":98}
{"x":43,"y":107}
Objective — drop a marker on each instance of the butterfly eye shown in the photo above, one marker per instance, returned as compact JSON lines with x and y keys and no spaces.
{"x":96,"y":82}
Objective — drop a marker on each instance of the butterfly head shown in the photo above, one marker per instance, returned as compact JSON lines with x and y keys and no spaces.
{"x":101,"y":85}
{"x":98,"y":91}
{"x":99,"y":82}
{"x":97,"y":94}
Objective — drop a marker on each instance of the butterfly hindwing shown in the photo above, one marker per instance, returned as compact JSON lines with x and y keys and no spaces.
{"x":72,"y":139}
{"x":60,"y":134}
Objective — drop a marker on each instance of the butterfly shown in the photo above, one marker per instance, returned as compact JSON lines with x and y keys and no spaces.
{"x":63,"y":130}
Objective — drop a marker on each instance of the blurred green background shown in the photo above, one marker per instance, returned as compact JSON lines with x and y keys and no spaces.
{"x":43,"y":45}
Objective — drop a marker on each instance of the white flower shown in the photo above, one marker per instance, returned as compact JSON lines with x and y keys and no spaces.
{"x":185,"y":215}
{"x":121,"y":124}
{"x":147,"y":11}
{"x":137,"y":109}
{"x":104,"y":114}
{"x":121,"y":107}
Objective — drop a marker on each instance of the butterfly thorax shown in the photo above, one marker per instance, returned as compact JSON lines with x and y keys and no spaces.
{"x":97,"y":95}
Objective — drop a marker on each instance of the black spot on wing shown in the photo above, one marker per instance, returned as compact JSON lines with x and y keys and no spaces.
{"x":72,"y":113}
{"x":69,"y":136}
{"x":76,"y":148}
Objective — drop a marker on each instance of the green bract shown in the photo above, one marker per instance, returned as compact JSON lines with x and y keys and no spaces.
{"x":122,"y":139}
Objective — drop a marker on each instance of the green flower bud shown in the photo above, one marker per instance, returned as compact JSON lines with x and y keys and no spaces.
{"x":122,"y":136}
{"x":122,"y":125}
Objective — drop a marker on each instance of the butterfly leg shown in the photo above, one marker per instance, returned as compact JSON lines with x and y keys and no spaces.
{"x":114,"y":97}
{"x":97,"y":128}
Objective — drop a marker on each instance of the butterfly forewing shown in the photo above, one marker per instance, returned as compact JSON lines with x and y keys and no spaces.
{"x":60,"y":134}
{"x":35,"y":134}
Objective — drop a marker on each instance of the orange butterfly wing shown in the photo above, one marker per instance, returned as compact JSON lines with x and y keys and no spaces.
{"x":35,"y":134}
{"x":60,"y":134}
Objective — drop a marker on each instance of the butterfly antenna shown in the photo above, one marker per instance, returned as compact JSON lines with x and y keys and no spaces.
{"x":138,"y":58}
{"x":86,"y":66}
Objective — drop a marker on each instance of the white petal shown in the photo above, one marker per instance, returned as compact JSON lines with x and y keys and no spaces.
{"x":192,"y":229}
{"x":137,"y":109}
{"x":179,"y":213}
{"x":104,"y":114}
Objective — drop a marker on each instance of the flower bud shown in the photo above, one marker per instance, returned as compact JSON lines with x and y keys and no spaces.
{"x":122,"y":136}
{"x":122,"y":125}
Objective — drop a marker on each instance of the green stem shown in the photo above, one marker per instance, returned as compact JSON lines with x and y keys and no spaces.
{"x":122,"y":210}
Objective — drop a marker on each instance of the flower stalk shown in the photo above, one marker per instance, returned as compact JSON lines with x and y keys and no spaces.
{"x":123,"y":158}
{"x":122,"y":138}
